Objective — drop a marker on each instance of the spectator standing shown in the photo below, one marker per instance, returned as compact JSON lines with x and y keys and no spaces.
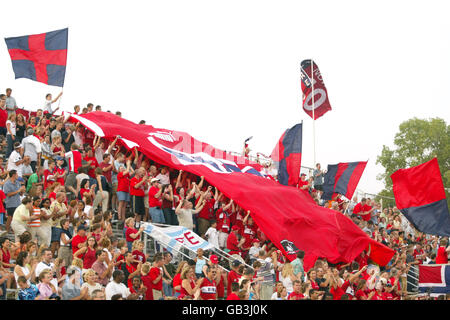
{"x":48,"y":103}
{"x":10,"y":102}
{"x":12,"y":189}
{"x":103,"y":268}
{"x":3,"y":115}
{"x":156,"y":274}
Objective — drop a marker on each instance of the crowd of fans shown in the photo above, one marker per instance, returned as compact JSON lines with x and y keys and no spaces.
{"x":64,"y":190}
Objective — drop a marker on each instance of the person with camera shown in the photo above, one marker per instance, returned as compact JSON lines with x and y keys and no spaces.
{"x":167,"y":205}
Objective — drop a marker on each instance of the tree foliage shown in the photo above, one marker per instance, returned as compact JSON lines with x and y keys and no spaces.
{"x":418,"y":141}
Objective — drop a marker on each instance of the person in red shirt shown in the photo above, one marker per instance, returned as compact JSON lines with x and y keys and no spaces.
{"x":138,"y":253}
{"x":131,"y":234}
{"x":156,"y":274}
{"x":87,"y":253}
{"x":208,"y":286}
{"x":296,"y":294}
{"x":233,"y":295}
{"x":79,"y":241}
{"x":303,"y":184}
{"x":248,"y":232}
{"x":3,"y":114}
{"x":59,"y":173}
{"x":92,"y":162}
{"x":138,"y":185}
{"x":233,"y":275}
{"x":146,"y":281}
{"x":123,"y":189}
{"x":129,"y":270}
{"x":418,"y":253}
{"x":154,"y":201}
{"x":233,"y":244}
{"x":107,"y":167}
{"x":223,"y":223}
{"x":48,"y":175}
{"x":363,"y":209}
{"x":207,"y":213}
{"x":442,"y":252}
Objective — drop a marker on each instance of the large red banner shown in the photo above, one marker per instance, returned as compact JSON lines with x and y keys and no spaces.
{"x":284,"y":214}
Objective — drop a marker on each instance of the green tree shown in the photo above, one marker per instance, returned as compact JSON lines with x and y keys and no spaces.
{"x":417,"y":141}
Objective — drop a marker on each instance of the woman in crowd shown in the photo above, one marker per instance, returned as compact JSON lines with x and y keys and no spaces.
{"x":90,"y":282}
{"x":21,"y":126}
{"x":20,"y":270}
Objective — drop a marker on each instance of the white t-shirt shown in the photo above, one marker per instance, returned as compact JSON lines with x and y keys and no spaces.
{"x":96,"y":286}
{"x":32,"y":146}
{"x":12,"y":127}
{"x":48,"y":106}
{"x":113,"y":288}
{"x":25,"y":169}
{"x":213,"y":236}
{"x":185,"y":218}
{"x":13,"y":158}
{"x":164,"y":178}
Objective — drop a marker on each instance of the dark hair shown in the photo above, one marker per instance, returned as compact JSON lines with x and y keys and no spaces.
{"x":25,"y":237}
{"x":2,"y":241}
{"x":22,"y":279}
{"x":99,"y":252}
{"x":12,"y":172}
{"x":345,"y":297}
{"x":117,"y":296}
{"x":300,"y":254}
{"x":234,"y":286}
{"x":117,"y":273}
{"x":62,"y":222}
{"x":21,"y":257}
{"x":327,"y":295}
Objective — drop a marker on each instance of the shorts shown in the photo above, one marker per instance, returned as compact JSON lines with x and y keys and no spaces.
{"x":123,"y":196}
{"x":10,"y":211}
{"x":137,"y":205}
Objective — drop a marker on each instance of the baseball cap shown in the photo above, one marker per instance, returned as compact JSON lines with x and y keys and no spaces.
{"x":255,"y":240}
{"x":235,"y":227}
{"x":82,"y":227}
{"x":214,"y":259}
{"x":303,"y":174}
{"x":154,"y":180}
{"x":59,"y":158}
{"x":17,"y":145}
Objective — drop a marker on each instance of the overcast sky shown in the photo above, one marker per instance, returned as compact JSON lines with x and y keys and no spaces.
{"x":226,"y":70}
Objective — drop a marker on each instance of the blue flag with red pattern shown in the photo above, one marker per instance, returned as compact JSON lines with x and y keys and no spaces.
{"x":288,"y":154}
{"x":342,"y":178}
{"x":40,"y":57}
{"x":420,"y":195}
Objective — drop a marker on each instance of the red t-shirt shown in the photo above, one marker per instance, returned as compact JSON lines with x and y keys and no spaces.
{"x":377,"y":296}
{"x":154,"y":273}
{"x":47,"y":183}
{"x":140,"y":192}
{"x":295,"y":296}
{"x":3,"y":117}
{"x":60,"y":171}
{"x":361,"y":295}
{"x":223,"y":222}
{"x":249,"y":233}
{"x":233,"y":296}
{"x":138,"y":255}
{"x":233,"y":276}
{"x":442,"y":256}
{"x":94,"y":164}
{"x":418,"y":253}
{"x":366,"y":208}
{"x":207,"y":211}
{"x":123,"y":182}
{"x":337,"y":293}
{"x":232,"y":243}
{"x":177,"y":282}
{"x":208,"y":289}
{"x":82,"y":192}
{"x":147,"y":282}
{"x":152,"y":201}
{"x":221,"y":287}
{"x":107,"y":173}
{"x":76,"y":241}
{"x":302,"y":183}
{"x":131,"y":231}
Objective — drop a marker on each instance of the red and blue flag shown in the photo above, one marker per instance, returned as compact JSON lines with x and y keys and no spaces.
{"x":342,"y":178}
{"x":288,"y":154}
{"x":434,"y":279}
{"x":420,"y":195}
{"x":40,"y":57}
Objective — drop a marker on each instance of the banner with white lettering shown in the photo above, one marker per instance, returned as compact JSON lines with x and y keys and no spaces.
{"x":177,"y":237}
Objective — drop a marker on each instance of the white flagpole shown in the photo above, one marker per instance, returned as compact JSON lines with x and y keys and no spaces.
{"x":314,"y":122}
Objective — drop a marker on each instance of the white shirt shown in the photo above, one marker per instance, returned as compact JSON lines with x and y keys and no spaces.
{"x":13,"y":158}
{"x":12,"y":127}
{"x":48,"y":106}
{"x":113,"y":288}
{"x":163,"y":178}
{"x":213,"y":236}
{"x":185,"y":218}
{"x":32,"y":146}
{"x":25,"y":169}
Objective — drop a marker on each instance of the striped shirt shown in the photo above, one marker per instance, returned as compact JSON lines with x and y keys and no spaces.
{"x":35,"y":223}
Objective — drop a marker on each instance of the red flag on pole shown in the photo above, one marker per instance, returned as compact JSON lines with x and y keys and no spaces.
{"x":320,"y":98}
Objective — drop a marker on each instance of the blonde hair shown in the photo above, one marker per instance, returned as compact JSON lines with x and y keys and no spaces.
{"x":136,"y":244}
{"x":180,"y":266}
{"x":90,"y":272}
{"x":145,"y":268}
{"x":77,"y":262}
{"x":184,"y":272}
{"x":127,"y":221}
{"x":43,"y":274}
{"x":288,"y":270}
